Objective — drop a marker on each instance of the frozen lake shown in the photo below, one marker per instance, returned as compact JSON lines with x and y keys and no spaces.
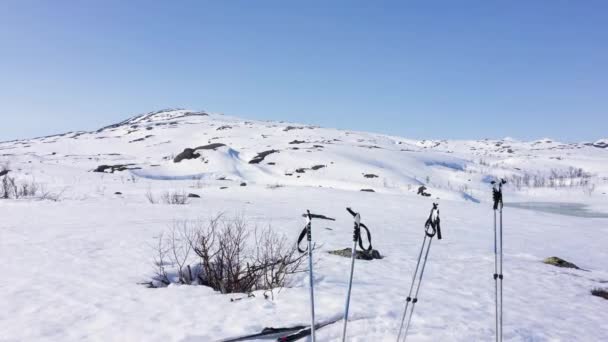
{"x":570,"y":209}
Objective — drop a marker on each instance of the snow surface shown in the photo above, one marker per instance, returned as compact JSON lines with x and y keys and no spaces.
{"x":70,"y":269}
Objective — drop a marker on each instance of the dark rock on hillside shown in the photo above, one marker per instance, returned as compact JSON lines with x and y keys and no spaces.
{"x":191,"y":153}
{"x":602,"y":293}
{"x":114,"y":168}
{"x":555,"y":261}
{"x":4,"y":172}
{"x":191,"y":195}
{"x":136,"y":140}
{"x":289,"y":128}
{"x":260,"y":157}
{"x":317,"y":167}
{"x":422,"y":191}
{"x":243,"y":184}
{"x":188,"y":153}
{"x":361,"y":255}
{"x":368,"y":190}
{"x":601,"y":144}
{"x":298,"y":142}
{"x":370,"y":175}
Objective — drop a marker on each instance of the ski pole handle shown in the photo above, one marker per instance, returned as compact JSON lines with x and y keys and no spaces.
{"x":307,"y":231}
{"x":351,"y":212}
{"x":309,"y":226}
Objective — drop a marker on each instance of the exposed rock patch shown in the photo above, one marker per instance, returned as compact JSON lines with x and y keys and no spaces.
{"x":602,"y":293}
{"x":191,"y":153}
{"x":114,"y":168}
{"x":188,"y":153}
{"x":289,"y":128}
{"x":260,"y":156}
{"x":361,"y":255}
{"x":555,"y":261}
{"x":422,"y":191}
{"x":601,"y":144}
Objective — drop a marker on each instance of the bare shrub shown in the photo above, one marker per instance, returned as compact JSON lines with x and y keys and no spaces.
{"x":160,"y":261}
{"x":274,"y":186}
{"x":50,"y":196}
{"x":197,"y":181}
{"x":280,"y":260}
{"x":174,"y":197}
{"x":229,"y":259}
{"x":6,"y":187}
{"x":180,"y":247}
{"x":589,"y":189}
{"x":27,"y":189}
{"x":13,"y":188}
{"x":150,"y":197}
{"x":554,"y":178}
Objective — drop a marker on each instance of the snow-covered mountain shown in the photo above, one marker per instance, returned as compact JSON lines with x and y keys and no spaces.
{"x":71,"y":269}
{"x":300,"y":155}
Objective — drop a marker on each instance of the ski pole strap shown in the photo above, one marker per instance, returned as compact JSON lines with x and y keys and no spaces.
{"x":358,"y":237}
{"x":357,"y":231}
{"x":497,"y":192}
{"x":301,"y":237}
{"x":432,"y":225}
{"x":307,"y":231}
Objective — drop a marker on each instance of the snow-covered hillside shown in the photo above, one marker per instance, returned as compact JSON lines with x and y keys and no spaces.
{"x":265,"y":153}
{"x":71,"y":267}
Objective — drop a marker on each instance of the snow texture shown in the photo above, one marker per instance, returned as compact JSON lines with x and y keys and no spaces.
{"x":70,"y":269}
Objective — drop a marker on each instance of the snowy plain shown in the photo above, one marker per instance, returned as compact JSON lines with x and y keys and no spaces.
{"x":71,"y":268}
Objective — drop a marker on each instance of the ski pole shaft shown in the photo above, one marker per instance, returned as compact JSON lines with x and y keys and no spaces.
{"x":311,"y":278}
{"x":409,"y":296}
{"x":350,"y":285}
{"x":500,"y":276}
{"x":312,"y":292}
{"x":415,"y":300}
{"x":496,"y":276}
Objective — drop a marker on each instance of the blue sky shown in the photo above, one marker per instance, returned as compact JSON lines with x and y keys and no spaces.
{"x":420,"y":69}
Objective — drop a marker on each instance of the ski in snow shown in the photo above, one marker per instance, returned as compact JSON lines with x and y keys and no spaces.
{"x":294,"y":336}
{"x":267,"y":333}
{"x":279,"y":333}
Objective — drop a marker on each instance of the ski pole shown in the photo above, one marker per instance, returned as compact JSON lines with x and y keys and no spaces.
{"x":409,"y":296}
{"x":356,"y":238}
{"x":307,"y":231}
{"x":432,"y":228}
{"x":498,"y":255}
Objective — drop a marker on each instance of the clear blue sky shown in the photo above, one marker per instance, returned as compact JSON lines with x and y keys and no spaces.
{"x":424,"y":69}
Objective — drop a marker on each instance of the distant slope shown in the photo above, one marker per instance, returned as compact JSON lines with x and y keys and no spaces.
{"x":269,"y":153}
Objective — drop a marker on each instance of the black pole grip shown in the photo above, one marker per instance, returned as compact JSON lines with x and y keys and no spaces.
{"x":351,"y":212}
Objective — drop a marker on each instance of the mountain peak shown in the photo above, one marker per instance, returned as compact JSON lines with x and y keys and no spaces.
{"x":156,"y":116}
